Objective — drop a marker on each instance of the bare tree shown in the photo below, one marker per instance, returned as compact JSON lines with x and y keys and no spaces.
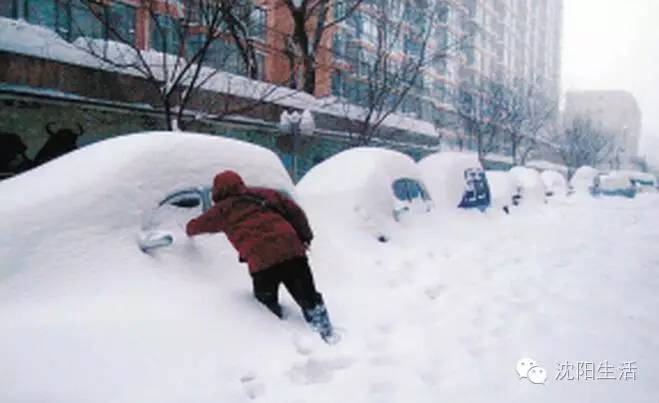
{"x":312,"y":19}
{"x":640,"y":163}
{"x":581,"y":143}
{"x":192,"y":41}
{"x":530,"y":113}
{"x":485,"y":108}
{"x":401,"y":48}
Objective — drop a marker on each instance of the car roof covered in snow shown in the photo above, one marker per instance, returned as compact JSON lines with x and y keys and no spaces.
{"x":502,"y":186}
{"x":443,"y":173}
{"x":615,"y":180}
{"x":356,"y":168}
{"x":583,"y":178}
{"x":531,"y":182}
{"x":136,"y":170}
{"x":644,"y":176}
{"x":554,"y":180}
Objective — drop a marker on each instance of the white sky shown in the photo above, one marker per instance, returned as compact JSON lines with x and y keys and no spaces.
{"x":614,"y":44}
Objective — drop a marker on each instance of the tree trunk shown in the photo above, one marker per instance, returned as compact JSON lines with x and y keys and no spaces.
{"x":309,"y":76}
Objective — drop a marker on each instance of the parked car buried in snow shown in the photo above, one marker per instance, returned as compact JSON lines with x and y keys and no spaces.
{"x":374,"y":189}
{"x":456,"y":180}
{"x":531,"y":187}
{"x":152,"y":184}
{"x":555,"y":183}
{"x":583,"y":180}
{"x":504,"y":191}
{"x":643,"y":182}
{"x":615,"y":183}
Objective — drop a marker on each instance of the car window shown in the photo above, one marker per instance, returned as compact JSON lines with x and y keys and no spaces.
{"x":407,"y":189}
{"x":184,"y":199}
{"x":400,"y":189}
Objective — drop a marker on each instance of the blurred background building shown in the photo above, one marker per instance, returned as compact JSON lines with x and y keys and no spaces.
{"x":615,"y":113}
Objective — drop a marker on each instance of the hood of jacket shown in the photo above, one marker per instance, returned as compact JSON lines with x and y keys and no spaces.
{"x":227,"y":183}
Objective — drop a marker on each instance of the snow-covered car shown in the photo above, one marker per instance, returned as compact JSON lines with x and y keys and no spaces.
{"x":531,"y":187}
{"x":615,"y":183}
{"x":148,"y":184}
{"x":371,"y":188}
{"x":555,"y":183}
{"x":456,"y":180}
{"x":583,"y":180}
{"x":643,"y":181}
{"x":504,"y":191}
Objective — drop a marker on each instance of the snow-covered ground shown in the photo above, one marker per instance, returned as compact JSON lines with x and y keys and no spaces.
{"x":441,"y":313}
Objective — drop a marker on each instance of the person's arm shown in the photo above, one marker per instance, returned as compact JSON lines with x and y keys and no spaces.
{"x":296,"y":217}
{"x":209,"y":222}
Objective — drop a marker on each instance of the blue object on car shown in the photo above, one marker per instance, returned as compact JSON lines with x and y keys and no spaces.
{"x":477,"y":190}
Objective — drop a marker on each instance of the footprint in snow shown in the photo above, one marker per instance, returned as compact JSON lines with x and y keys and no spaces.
{"x":315,"y":370}
{"x":435,"y":291}
{"x":252,"y":386}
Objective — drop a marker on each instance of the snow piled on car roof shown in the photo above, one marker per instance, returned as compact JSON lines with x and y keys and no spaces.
{"x":354,"y":188}
{"x":583,"y":178}
{"x":443,"y":174}
{"x":355,"y":168}
{"x":555,"y":182}
{"x":143,"y":165}
{"x":502,"y":187}
{"x":531,"y":182}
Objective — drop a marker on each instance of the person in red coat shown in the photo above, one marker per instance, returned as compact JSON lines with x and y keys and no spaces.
{"x":271,"y":234}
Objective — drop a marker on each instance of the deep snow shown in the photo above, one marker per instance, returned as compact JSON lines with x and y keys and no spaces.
{"x":443,"y":312}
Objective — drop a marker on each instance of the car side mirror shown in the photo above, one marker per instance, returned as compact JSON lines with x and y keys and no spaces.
{"x":149,"y":241}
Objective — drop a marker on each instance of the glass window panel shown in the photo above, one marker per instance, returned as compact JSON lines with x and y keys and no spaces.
{"x":86,"y":20}
{"x":122,"y":19}
{"x":8,"y":8}
{"x":41,"y":12}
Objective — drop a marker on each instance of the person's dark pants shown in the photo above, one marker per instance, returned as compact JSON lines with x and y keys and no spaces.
{"x":298,"y":280}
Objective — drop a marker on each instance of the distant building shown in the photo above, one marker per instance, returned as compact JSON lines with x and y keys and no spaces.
{"x":615,"y":112}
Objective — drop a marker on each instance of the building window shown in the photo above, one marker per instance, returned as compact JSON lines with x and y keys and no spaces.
{"x":165,"y":34}
{"x":42,"y":12}
{"x":338,"y":45}
{"x":369,"y":30}
{"x":411,"y":47}
{"x":258,"y":22}
{"x":8,"y":8}
{"x":339,"y":10}
{"x":260,"y":66}
{"x":337,"y":83}
{"x":86,"y":20}
{"x":122,"y":18}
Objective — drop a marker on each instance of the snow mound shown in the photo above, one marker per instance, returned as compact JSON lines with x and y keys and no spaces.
{"x":533,"y":188}
{"x":502,"y":187}
{"x":554,"y":182}
{"x":443,"y":173}
{"x":355,"y":186}
{"x":583,"y":179}
{"x":113,"y":184}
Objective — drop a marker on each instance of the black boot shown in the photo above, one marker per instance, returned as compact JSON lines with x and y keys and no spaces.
{"x":319,"y":320}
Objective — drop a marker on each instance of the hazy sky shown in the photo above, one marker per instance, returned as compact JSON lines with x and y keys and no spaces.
{"x":614,"y":44}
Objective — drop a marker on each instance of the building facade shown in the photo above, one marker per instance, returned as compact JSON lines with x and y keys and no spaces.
{"x":516,"y":42}
{"x":616,"y":113}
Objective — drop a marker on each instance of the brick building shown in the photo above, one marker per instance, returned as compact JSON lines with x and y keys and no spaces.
{"x":510,"y":40}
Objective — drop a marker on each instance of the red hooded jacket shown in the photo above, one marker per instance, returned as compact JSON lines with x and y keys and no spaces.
{"x":265,"y":227}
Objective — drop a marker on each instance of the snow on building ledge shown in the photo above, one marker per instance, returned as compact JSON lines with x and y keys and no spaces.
{"x":21,"y":37}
